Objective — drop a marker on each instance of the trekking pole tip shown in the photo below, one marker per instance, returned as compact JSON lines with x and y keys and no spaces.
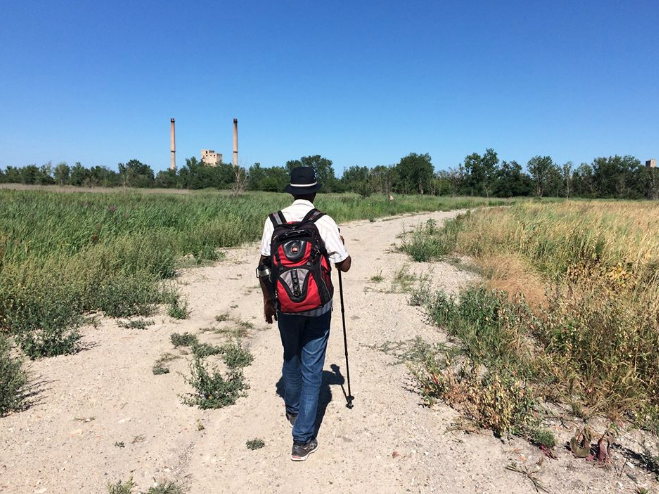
{"x":349,"y":401}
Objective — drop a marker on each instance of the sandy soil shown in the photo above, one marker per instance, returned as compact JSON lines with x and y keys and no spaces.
{"x":92,"y":403}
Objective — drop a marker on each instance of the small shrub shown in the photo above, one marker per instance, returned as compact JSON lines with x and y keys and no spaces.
{"x":236,"y":356}
{"x":135,"y":324}
{"x":121,"y":487}
{"x":403,"y":280}
{"x":222,"y":317}
{"x":13,"y":379}
{"x":212,"y":390}
{"x":233,"y":332}
{"x":245,"y":324}
{"x":178,"y":310}
{"x":495,"y":401}
{"x":255,"y":444}
{"x":201,"y":350}
{"x":48,"y":342}
{"x":160,"y":369}
{"x":165,"y":488}
{"x":377,"y":278}
{"x":543,"y":437}
{"x":185,"y":339}
{"x":124,"y":296}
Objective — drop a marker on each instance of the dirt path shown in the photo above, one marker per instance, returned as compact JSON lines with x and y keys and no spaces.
{"x":102,"y":415}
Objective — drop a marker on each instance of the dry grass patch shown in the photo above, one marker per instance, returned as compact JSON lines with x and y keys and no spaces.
{"x":512,"y":274}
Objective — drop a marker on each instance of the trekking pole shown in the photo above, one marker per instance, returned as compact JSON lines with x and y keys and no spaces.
{"x":349,"y":396}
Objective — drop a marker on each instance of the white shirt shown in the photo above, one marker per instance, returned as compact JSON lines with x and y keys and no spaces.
{"x":327,"y":228}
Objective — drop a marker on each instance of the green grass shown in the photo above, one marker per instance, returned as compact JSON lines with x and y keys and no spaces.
{"x":430,"y":243}
{"x":62,"y":255}
{"x":13,"y":379}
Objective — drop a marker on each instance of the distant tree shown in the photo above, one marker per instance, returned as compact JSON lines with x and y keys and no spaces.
{"x":275,"y":180}
{"x":384,"y":178}
{"x":79,"y":175}
{"x":649,"y":181}
{"x":582,"y":181}
{"x":567,"y":178}
{"x":511,"y":181}
{"x":166,"y":179}
{"x":322,"y":167}
{"x":354,"y":175}
{"x":255,"y":175}
{"x":449,"y":182}
{"x":272,"y":179}
{"x":540,"y":169}
{"x":62,"y":173}
{"x":239,"y":180}
{"x":103,"y":177}
{"x":415,"y":173}
{"x":136,"y":174}
{"x":29,"y":174}
{"x":197,"y":175}
{"x":617,"y":176}
{"x":45,"y":175}
{"x":358,"y":179}
{"x":481,"y":173}
{"x":13,"y":175}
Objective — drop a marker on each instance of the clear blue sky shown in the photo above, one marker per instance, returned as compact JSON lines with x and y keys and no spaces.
{"x":359,"y":82}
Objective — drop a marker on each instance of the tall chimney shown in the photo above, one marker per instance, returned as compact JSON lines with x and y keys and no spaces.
{"x":235,"y":142}
{"x":172,"y":163}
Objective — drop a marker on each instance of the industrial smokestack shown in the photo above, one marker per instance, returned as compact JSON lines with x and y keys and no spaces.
{"x":172,"y":163}
{"x":235,"y":142}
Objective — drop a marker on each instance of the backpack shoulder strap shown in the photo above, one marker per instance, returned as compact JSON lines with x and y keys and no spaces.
{"x":277,"y":218}
{"x":313,"y":216}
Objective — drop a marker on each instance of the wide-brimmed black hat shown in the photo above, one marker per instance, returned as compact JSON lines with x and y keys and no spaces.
{"x":303,"y":181}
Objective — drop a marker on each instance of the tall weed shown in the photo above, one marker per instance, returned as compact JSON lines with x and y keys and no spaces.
{"x":593,"y":338}
{"x":13,"y":379}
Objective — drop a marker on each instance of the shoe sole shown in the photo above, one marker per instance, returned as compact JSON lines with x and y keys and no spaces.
{"x":302,"y":458}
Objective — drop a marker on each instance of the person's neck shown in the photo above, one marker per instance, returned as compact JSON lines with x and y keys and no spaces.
{"x":309,"y":198}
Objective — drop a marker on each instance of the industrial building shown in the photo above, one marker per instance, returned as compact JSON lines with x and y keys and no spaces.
{"x":210,"y":157}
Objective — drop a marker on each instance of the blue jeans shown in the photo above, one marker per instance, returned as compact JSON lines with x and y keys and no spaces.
{"x":305,"y":341}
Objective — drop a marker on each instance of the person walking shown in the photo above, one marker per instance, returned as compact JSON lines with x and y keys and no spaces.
{"x":300,"y":299}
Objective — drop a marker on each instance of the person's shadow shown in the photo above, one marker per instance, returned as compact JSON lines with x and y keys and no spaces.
{"x":332,"y":378}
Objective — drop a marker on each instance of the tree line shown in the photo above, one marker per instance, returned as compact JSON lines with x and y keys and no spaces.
{"x":622,"y":177}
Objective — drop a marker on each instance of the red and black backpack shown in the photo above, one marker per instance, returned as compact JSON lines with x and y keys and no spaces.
{"x":301,"y":271}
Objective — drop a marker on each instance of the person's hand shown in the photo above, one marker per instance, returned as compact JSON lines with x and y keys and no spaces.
{"x":269,"y":311}
{"x":343,"y":241}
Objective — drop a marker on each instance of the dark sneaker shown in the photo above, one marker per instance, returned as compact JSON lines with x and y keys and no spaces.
{"x":302,"y":450}
{"x":291,"y":418}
